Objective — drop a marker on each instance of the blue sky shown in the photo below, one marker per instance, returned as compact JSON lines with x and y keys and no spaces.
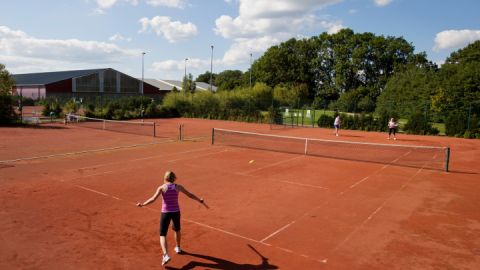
{"x":51,"y":35}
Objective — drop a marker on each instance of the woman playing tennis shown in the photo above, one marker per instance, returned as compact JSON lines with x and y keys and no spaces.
{"x":170,"y":211}
{"x":392,"y":128}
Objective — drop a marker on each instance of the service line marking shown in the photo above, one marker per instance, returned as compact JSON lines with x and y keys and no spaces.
{"x":305,"y":185}
{"x":277,"y":231}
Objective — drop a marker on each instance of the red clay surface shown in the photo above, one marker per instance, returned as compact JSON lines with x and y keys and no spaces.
{"x":281,"y":211}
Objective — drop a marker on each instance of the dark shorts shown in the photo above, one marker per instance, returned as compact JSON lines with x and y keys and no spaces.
{"x":165,"y":222}
{"x":336,"y":126}
{"x":392,"y":130}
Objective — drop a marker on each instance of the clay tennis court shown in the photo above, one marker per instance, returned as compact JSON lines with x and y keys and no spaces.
{"x":68,"y":198}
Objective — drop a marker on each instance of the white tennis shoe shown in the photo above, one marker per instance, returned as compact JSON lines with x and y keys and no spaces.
{"x":165,"y":259}
{"x":178,"y":250}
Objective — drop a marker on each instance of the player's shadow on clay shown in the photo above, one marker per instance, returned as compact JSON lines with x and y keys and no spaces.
{"x":218,"y":263}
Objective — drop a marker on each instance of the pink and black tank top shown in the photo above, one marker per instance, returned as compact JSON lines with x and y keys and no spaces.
{"x":170,"y":199}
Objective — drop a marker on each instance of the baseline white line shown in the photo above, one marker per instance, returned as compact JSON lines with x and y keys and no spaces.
{"x":277,"y":231}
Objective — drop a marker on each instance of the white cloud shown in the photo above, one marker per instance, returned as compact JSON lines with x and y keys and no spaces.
{"x":119,"y":37}
{"x":22,"y":51}
{"x":105,"y":4}
{"x":167,"y":3}
{"x":382,"y":3}
{"x":102,"y":5}
{"x":260,"y":17}
{"x":173,"y":31}
{"x":352,"y":11}
{"x":170,"y":69}
{"x":454,"y":39}
{"x":239,"y":51}
{"x":260,"y":24}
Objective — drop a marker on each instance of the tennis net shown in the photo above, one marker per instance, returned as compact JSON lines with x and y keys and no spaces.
{"x":132,"y":127}
{"x":429,"y":157}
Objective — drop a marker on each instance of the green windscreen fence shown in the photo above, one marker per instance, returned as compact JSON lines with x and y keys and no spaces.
{"x":132,"y":127}
{"x":427,"y":157}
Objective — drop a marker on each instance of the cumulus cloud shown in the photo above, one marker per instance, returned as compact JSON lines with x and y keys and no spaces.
{"x":454,"y":39}
{"x":167,"y":3}
{"x":260,"y":17}
{"x":170,"y":69}
{"x":20,"y":50}
{"x":260,"y":25}
{"x":102,"y":5}
{"x":119,"y":37}
{"x":382,"y":3}
{"x":173,"y":31}
{"x":105,"y":4}
{"x":239,"y":51}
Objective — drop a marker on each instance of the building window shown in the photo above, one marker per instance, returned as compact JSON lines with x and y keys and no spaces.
{"x":89,"y":83}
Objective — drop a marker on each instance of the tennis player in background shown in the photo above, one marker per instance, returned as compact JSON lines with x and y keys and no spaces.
{"x":392,"y":128}
{"x":170,"y":211}
{"x":336,"y":124}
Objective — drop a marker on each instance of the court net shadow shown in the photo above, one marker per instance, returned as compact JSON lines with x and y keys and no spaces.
{"x":219,"y":263}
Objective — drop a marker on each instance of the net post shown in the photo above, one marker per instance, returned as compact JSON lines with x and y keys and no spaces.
{"x":154,"y":129}
{"x":103,"y":127}
{"x":213,"y":135}
{"x":180,"y":132}
{"x":306,"y":146}
{"x":447,"y":158}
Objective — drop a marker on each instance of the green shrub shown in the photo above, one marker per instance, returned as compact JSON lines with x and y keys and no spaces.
{"x":325,"y":121}
{"x":52,"y":106}
{"x":455,"y":123}
{"x":7,"y":113}
{"x":419,"y":124}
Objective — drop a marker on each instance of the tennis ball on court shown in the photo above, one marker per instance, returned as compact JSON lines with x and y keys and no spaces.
{"x":251,"y":161}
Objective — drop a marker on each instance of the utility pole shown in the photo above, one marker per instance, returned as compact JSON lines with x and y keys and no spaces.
{"x":211,"y":69}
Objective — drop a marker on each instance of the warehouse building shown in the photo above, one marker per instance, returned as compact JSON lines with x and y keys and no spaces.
{"x":89,"y":83}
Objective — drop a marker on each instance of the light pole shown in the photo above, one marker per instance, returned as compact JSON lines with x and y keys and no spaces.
{"x":143,"y":54}
{"x":250,"y":70}
{"x":186,"y":59}
{"x":211,"y":69}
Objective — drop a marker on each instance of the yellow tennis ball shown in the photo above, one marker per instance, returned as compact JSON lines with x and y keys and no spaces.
{"x":251,"y":161}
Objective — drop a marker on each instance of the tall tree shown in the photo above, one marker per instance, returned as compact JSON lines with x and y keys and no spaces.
{"x":188,"y":85}
{"x":7,"y":114}
{"x":229,"y":79}
{"x":205,"y":77}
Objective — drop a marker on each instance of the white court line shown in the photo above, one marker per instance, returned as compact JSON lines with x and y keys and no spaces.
{"x":359,"y":182}
{"x":173,"y":154}
{"x":195,"y":157}
{"x":277,"y":231}
{"x":271,"y":165}
{"x":205,"y":225}
{"x":223,"y":231}
{"x":98,"y":192}
{"x":81,"y":152}
{"x":305,"y":185}
{"x":350,"y":235}
{"x":124,"y":169}
{"x":377,"y":171}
